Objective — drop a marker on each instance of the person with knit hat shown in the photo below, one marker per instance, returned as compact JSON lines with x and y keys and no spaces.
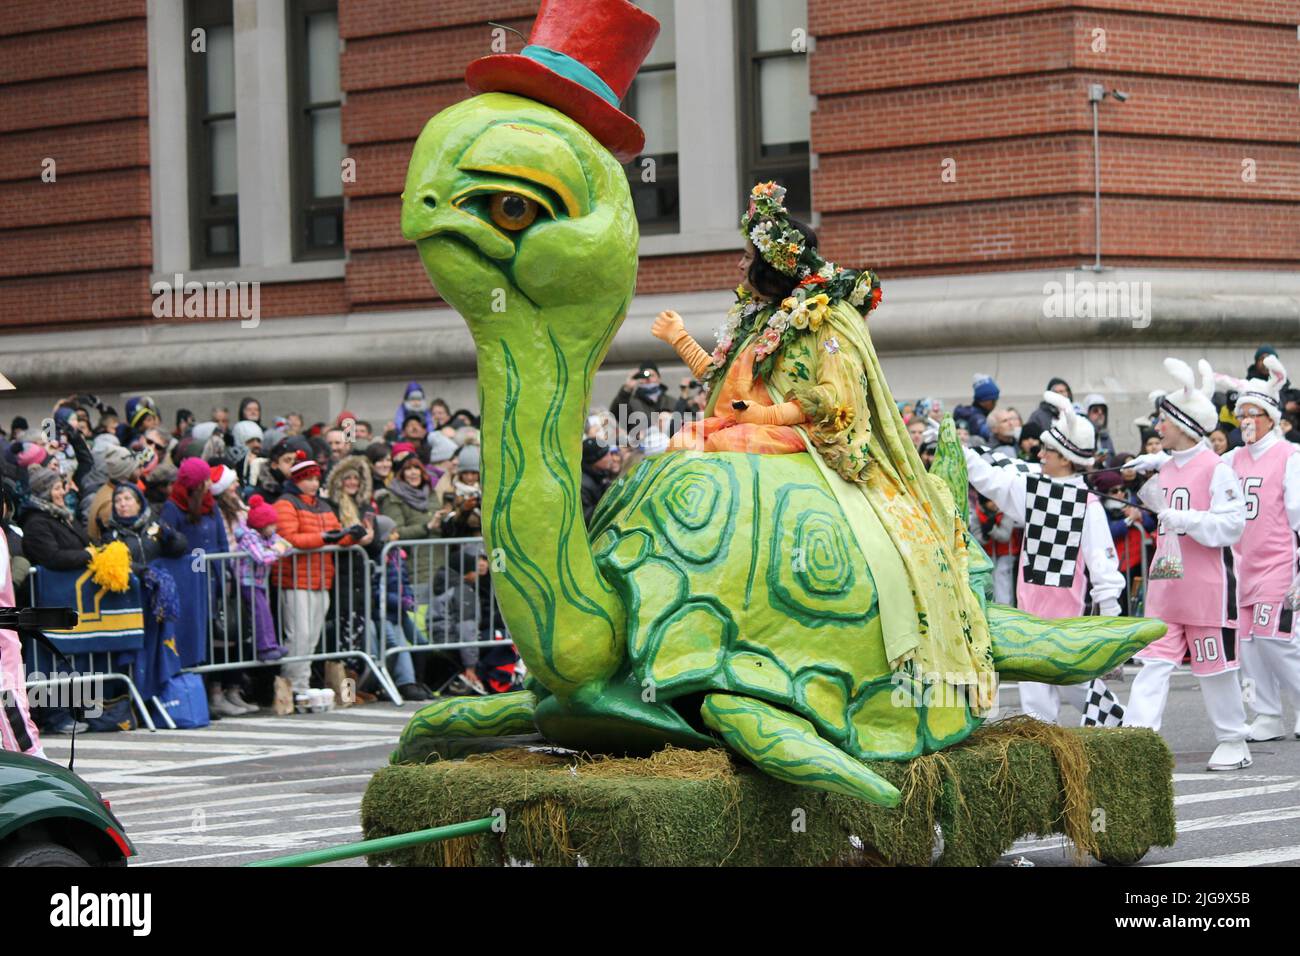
{"x":141,"y":414}
{"x":1090,"y":582}
{"x":191,"y":511}
{"x":1202,"y":503}
{"x":1268,"y":468}
{"x":131,"y":521}
{"x":118,"y":466}
{"x":347,"y":489}
{"x":1097,"y":409}
{"x":52,"y":537}
{"x":440,"y":461}
{"x":600,"y":464}
{"x":976,"y":414}
{"x":268,"y":475}
{"x":256,"y":537}
{"x":309,"y":524}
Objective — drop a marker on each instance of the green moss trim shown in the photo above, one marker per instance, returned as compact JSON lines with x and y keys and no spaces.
{"x":690,"y":808}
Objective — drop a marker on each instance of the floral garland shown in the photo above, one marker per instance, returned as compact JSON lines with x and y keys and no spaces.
{"x":822,"y":284}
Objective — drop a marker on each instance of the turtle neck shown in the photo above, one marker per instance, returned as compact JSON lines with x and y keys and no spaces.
{"x":1181,"y":458}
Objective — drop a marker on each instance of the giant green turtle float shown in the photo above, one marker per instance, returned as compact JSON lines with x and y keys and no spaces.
{"x":678,"y":618}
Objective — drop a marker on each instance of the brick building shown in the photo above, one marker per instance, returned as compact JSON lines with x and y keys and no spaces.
{"x":947,"y":144}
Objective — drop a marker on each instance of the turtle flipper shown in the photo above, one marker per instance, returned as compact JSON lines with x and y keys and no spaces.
{"x":787,"y":747}
{"x":499,"y":715}
{"x":1066,"y":650}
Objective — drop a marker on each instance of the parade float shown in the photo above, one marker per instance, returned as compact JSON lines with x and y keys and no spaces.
{"x":760,"y":659}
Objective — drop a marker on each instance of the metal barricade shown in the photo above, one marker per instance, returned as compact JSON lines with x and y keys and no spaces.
{"x":246,"y":620}
{"x":442,"y":575}
{"x":89,"y":667}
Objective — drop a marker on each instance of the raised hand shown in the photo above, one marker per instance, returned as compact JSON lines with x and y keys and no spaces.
{"x":667,"y":325}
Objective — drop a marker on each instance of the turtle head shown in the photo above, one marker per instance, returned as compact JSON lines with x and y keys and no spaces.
{"x":523,"y":220}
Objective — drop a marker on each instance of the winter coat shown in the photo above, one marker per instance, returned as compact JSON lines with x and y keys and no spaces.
{"x":302,"y":520}
{"x":51,"y":542}
{"x":195,"y":583}
{"x":645,"y":409}
{"x":333,"y":490}
{"x":976,"y":420}
{"x":1044,"y":416}
{"x":164,"y":541}
{"x":594,"y":486}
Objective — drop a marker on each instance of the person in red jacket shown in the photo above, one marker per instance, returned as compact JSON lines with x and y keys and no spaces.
{"x":304,"y":580}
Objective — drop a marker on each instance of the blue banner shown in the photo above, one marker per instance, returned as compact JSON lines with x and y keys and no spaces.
{"x":108,"y":621}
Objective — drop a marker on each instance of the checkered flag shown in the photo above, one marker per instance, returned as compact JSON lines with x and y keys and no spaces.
{"x":1054,"y":513}
{"x":999,"y":460}
{"x":1101,"y":708}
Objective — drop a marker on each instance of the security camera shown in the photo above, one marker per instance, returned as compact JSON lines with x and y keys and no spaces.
{"x":1122,"y":97}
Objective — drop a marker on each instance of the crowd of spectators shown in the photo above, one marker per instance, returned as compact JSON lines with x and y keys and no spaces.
{"x":275,"y":493}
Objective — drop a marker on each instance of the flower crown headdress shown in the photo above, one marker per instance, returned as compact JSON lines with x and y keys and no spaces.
{"x":821,"y":285}
{"x":767,"y":225}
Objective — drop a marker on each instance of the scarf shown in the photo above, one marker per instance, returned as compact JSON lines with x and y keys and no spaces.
{"x":51,"y":509}
{"x":417,"y":498}
{"x":181,"y":498}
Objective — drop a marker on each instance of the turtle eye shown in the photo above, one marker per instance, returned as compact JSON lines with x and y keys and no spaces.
{"x":512,"y":211}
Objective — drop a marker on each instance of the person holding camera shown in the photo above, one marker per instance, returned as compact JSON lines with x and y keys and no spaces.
{"x":643,"y":403}
{"x":308,"y":523}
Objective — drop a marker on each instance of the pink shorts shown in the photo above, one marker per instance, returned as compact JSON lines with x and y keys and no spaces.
{"x":1273,"y":621}
{"x":1213,"y":650}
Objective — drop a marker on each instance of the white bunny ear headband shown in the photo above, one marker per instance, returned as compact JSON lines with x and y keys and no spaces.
{"x":1191,"y":408}
{"x":1264,"y":393}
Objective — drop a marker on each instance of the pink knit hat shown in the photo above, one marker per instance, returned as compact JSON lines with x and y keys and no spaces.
{"x":193,"y":472}
{"x":32,"y":454}
{"x":222,"y":478}
{"x":260,"y":514}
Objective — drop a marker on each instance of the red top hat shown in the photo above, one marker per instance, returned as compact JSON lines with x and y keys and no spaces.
{"x":581,"y":58}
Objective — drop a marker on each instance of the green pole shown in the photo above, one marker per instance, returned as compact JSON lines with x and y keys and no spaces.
{"x":383,"y":844}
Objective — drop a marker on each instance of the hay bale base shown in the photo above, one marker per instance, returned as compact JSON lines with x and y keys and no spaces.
{"x":1110,"y":790}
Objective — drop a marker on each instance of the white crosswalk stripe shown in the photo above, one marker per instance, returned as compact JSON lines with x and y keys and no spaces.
{"x":175,"y":812}
{"x":1212,"y":789}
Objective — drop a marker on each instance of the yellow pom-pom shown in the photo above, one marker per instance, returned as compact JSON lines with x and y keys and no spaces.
{"x":110,"y":566}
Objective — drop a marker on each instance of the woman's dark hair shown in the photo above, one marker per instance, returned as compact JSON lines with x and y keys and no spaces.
{"x":766,"y":281}
{"x":243,"y":406}
{"x":378,"y":451}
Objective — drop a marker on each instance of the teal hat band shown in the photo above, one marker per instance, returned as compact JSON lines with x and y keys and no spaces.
{"x":571,"y":69}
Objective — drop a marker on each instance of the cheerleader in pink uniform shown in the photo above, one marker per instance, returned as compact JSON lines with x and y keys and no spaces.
{"x":1269,"y":470}
{"x":1206,"y":509}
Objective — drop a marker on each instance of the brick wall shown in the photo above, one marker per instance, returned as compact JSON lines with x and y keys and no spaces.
{"x":996,"y":90}
{"x":997,"y":87}
{"x":74,"y":88}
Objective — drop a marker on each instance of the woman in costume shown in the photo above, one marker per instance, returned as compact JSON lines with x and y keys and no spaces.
{"x":795,"y":371}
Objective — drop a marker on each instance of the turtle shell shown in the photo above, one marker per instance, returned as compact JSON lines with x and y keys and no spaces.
{"x":740,"y":573}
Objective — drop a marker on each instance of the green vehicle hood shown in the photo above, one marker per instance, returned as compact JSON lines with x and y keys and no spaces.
{"x":32,"y":789}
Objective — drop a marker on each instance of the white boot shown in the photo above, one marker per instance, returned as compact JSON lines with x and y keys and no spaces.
{"x":1040,"y":700}
{"x":236,"y":697}
{"x":1234,"y":755}
{"x":219,"y":705}
{"x":1266,"y":727}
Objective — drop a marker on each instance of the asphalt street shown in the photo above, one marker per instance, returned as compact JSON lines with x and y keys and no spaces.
{"x":260,"y":786}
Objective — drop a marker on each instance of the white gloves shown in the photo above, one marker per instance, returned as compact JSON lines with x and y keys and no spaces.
{"x":1174,"y":521}
{"x":1144,"y":463}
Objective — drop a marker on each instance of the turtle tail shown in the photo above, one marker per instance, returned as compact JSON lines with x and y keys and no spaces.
{"x":1064,"y":650}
